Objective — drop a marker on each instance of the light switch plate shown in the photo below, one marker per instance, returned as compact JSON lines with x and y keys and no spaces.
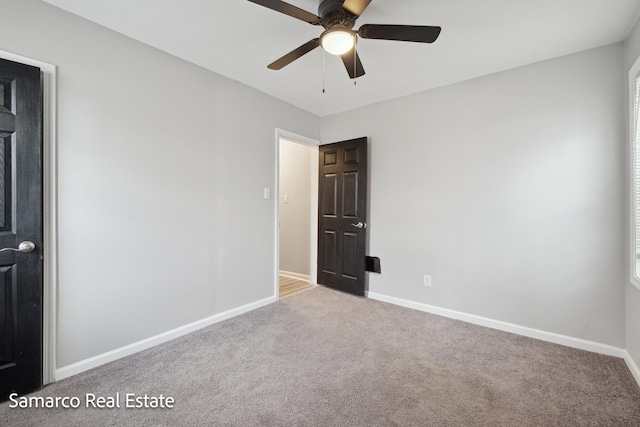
{"x":267,"y":193}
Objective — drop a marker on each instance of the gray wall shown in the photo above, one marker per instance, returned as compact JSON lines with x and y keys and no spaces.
{"x":295,"y":215}
{"x":632,"y":293}
{"x":162,"y":166}
{"x":509,"y":190}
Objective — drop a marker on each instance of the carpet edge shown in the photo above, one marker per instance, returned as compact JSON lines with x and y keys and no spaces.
{"x":633,"y":367}
{"x":127,"y":350}
{"x":551,"y":337}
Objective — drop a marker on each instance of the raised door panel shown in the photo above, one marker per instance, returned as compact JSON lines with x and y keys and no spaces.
{"x":350,"y":255}
{"x":330,"y":158}
{"x":350,"y":195}
{"x":330,"y":195}
{"x":329,"y":242}
{"x":352,"y":155}
{"x":7,"y":317}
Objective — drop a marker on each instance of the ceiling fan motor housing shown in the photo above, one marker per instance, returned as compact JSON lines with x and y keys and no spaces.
{"x":332,"y":14}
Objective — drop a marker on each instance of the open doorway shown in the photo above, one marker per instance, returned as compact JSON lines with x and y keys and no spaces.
{"x":297,"y":209}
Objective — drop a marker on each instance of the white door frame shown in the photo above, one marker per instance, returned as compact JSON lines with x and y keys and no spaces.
{"x":49,"y":210}
{"x":313,"y":252}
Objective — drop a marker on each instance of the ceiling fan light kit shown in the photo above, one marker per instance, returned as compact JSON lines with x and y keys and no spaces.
{"x":338,"y":41}
{"x":338,"y":18}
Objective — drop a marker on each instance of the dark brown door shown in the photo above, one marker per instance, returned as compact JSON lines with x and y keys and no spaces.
{"x":20,"y":227}
{"x":342,"y":215}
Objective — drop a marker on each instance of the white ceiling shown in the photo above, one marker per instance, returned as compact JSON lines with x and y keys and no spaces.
{"x":237,"y":39}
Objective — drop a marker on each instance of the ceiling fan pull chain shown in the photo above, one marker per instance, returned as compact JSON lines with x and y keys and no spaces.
{"x":323,"y":68}
{"x":355,"y":67}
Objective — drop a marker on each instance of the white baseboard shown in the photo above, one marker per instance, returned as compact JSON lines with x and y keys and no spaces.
{"x":298,"y":276}
{"x":110,"y":356}
{"x":633,"y":367}
{"x":507,"y":327}
{"x":101,"y":359}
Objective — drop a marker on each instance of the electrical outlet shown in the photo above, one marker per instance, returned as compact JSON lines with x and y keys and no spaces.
{"x":427,"y":281}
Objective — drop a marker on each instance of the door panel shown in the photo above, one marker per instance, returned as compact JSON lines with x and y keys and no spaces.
{"x":329,"y":252}
{"x":350,"y":195}
{"x":7,"y":332}
{"x":20,"y":220}
{"x":350,"y":255}
{"x":330,"y":193}
{"x":342,"y":205}
{"x":5,"y":182}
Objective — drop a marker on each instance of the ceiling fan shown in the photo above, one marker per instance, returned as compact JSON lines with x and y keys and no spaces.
{"x":338,"y":18}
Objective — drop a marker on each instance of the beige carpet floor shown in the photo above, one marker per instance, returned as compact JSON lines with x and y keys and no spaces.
{"x":323,"y":358}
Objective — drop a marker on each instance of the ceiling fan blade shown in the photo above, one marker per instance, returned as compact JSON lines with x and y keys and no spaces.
{"x":287,"y":9}
{"x":352,"y":63}
{"x":294,"y":54}
{"x":405,"y":33}
{"x":356,"y":6}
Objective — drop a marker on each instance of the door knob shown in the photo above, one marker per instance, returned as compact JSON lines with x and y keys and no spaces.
{"x":25,"y":246}
{"x":360,"y":224}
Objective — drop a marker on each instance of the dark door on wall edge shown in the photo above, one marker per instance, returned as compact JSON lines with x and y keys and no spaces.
{"x":342,"y":215}
{"x":20,"y":227}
